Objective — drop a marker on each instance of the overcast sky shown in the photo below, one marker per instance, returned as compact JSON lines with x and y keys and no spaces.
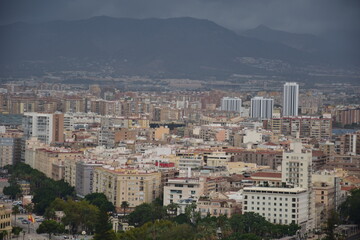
{"x":303,"y":16}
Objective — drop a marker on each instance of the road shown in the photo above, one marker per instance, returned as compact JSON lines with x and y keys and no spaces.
{"x":29,"y":231}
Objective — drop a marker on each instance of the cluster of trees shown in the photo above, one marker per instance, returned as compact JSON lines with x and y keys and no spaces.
{"x":90,"y":215}
{"x":153,"y":221}
{"x":45,"y":190}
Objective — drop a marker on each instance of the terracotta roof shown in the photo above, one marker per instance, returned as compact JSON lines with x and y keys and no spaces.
{"x":317,"y":153}
{"x":347,"y":188}
{"x":266,"y":175}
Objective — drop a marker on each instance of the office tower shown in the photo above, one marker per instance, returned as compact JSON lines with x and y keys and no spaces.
{"x":291,"y":99}
{"x":261,"y":108}
{"x":231,"y":104}
{"x":48,"y":128}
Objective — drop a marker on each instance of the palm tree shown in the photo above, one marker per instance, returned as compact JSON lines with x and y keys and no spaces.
{"x":15,"y":210}
{"x":173,"y":208}
{"x":124,"y":206}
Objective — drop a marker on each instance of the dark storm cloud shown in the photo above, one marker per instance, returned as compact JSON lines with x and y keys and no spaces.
{"x":315,"y":16}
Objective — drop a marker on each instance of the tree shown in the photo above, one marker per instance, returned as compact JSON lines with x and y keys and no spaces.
{"x":14,"y":191}
{"x":3,"y":234}
{"x":29,"y":208}
{"x":331,"y":225}
{"x":350,"y":209}
{"x":50,"y":227}
{"x":101,"y":201}
{"x":16,"y":231}
{"x":172,"y":208}
{"x":124,"y":206}
{"x":142,"y":214}
{"x":15,"y":211}
{"x":103,"y":228}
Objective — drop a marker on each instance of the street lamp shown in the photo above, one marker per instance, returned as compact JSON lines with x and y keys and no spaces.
{"x":83,"y":233}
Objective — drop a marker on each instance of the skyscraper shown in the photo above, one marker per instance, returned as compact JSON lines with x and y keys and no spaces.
{"x":231,"y":104}
{"x":261,"y":108}
{"x":291,"y":99}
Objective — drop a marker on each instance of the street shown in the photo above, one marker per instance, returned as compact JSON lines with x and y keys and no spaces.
{"x":29,"y":231}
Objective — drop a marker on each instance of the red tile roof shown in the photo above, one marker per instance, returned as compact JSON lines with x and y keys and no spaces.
{"x":266,"y":175}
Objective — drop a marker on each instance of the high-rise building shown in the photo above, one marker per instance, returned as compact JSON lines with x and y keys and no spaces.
{"x":291,"y":99}
{"x":297,"y":170}
{"x":261,"y":108}
{"x":48,"y":128}
{"x":231,"y":104}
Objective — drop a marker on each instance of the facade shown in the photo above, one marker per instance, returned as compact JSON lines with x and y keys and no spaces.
{"x":216,"y":205}
{"x":5,"y":220}
{"x":297,"y":171}
{"x":318,"y":127}
{"x":48,"y":128}
{"x":231,"y":104}
{"x":278,"y":205}
{"x":10,"y":149}
{"x":84,"y":177}
{"x":291,"y":99}
{"x":261,"y":108}
{"x":131,"y":185}
{"x":178,"y":189}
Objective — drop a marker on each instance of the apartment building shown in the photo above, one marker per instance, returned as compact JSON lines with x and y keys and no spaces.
{"x":48,"y":128}
{"x":10,"y":148}
{"x":84,"y":177}
{"x":51,"y":161}
{"x":319,"y":127}
{"x":278,"y":205}
{"x":182,"y":188}
{"x":5,"y":219}
{"x":131,"y":185}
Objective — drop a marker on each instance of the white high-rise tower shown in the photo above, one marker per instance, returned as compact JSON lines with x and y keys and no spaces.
{"x":261,"y":108}
{"x":231,"y":104}
{"x":291,"y":99}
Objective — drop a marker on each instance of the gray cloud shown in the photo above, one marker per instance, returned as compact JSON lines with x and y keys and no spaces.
{"x":291,"y":15}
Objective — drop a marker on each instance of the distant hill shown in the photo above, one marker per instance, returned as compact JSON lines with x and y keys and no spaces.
{"x":166,"y":45}
{"x":334,"y":47}
{"x":306,"y":42}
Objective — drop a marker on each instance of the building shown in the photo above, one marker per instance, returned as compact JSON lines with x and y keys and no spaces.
{"x":131,"y":185}
{"x":10,"y":148}
{"x":231,"y":104}
{"x":261,"y":108}
{"x":217,"y":204}
{"x":318,"y":127}
{"x":51,"y":161}
{"x":278,"y":205}
{"x":296,"y":170}
{"x":182,"y":188}
{"x":291,"y":99}
{"x":48,"y":128}
{"x":84,"y":177}
{"x":5,"y":220}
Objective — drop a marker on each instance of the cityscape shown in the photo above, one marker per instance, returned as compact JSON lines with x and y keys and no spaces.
{"x":134,"y":126}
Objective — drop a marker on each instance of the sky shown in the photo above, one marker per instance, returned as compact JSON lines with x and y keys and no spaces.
{"x":299,"y":16}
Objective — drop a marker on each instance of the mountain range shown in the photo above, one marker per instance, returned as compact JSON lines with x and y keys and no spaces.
{"x":169,"y":47}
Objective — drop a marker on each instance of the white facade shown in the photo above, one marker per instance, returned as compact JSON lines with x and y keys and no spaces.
{"x":38,"y":125}
{"x":261,"y":108}
{"x":291,"y":99}
{"x":297,"y":171}
{"x":182,"y":188}
{"x":231,"y":104}
{"x":278,"y":205}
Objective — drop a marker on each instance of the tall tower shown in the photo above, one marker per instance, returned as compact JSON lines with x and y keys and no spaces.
{"x":261,"y":108}
{"x":291,"y":99}
{"x":231,"y":104}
